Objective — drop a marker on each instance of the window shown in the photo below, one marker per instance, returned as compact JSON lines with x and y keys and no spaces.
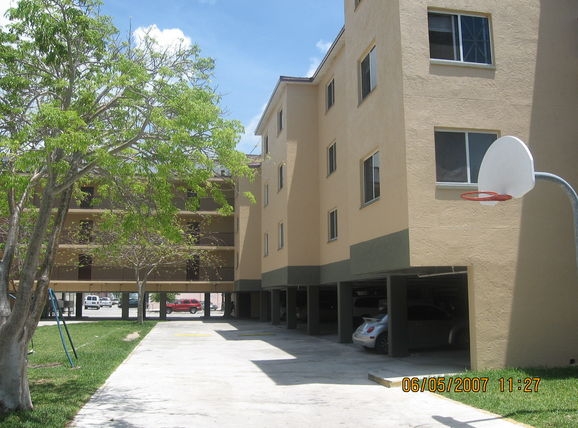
{"x":85,"y":233}
{"x":266,"y":244}
{"x":332,"y":225}
{"x":463,"y":38}
{"x":331,"y":159}
{"x":280,"y":177}
{"x":371,"y":178}
{"x":280,"y":121}
{"x":87,"y":196}
{"x":84,"y":267}
{"x":266,"y":144}
{"x":459,"y":155}
{"x":281,"y":236}
{"x":330,"y":94}
{"x":368,"y":73}
{"x":266,"y":195}
{"x":193,"y":268}
{"x":194,"y":232}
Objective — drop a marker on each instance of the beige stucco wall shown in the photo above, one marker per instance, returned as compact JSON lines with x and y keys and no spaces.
{"x":376,"y":123}
{"x":302,"y":228}
{"x":276,"y":210}
{"x":333,"y":124}
{"x":248,"y":229}
{"x":522,"y":280}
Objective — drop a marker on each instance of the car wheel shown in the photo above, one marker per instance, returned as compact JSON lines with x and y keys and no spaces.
{"x":169,"y":310}
{"x":381,"y":343}
{"x":193,"y":310}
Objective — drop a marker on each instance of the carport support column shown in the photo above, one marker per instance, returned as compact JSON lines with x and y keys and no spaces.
{"x":264,"y":306}
{"x":397,"y":313}
{"x":313,"y":326}
{"x":163,"y":305}
{"x":344,"y":312}
{"x":292,"y":307}
{"x":275,"y":307}
{"x":124,"y":300}
{"x":207,"y":306}
{"x":78,"y":306}
{"x":227,"y":304}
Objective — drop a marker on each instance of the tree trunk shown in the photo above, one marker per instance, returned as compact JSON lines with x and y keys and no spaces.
{"x":141,"y":302}
{"x":14,"y":390}
{"x":17,"y":329}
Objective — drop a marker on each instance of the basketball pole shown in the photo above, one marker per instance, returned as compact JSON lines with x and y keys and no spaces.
{"x":573,"y":200}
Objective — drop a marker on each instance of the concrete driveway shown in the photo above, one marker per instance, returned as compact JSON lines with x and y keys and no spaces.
{"x":251,"y":374}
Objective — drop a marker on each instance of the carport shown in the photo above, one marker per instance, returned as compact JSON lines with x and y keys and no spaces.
{"x":444,"y":288}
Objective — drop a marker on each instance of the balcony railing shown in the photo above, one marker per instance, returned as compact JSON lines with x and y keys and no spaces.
{"x":210,"y":239}
{"x":174,"y":273}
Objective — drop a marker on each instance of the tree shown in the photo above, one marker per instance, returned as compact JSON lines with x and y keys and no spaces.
{"x":144,"y":243}
{"x":77,"y":103}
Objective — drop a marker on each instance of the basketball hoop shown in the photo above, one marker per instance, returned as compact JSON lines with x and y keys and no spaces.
{"x":485,"y":196}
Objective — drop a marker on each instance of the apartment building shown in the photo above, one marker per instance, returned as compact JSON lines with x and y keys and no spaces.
{"x":78,"y":271}
{"x":363,"y":165}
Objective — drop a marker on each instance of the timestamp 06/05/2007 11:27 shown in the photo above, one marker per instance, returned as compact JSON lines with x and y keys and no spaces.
{"x":469,"y":384}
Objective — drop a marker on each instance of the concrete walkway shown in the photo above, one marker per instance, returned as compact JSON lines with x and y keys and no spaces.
{"x":250,"y":374}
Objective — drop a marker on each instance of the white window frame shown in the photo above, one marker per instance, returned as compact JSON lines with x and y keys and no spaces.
{"x":331,"y":158}
{"x":467,"y":134}
{"x":280,"y":120}
{"x":372,"y":64}
{"x":373,"y":195}
{"x":332,"y":225}
{"x":330,"y":95}
{"x":280,"y":177}
{"x":457,"y":34}
{"x":281,"y":236}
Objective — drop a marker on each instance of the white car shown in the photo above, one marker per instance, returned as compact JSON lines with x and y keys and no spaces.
{"x":427,"y":326}
{"x":105,"y":301}
{"x":92,"y":302}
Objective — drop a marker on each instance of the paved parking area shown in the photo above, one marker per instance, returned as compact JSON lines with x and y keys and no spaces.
{"x":221,"y":373}
{"x":116,"y":312}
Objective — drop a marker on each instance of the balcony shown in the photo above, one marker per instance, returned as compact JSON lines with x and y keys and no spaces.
{"x":169,"y":273}
{"x":209,"y":239}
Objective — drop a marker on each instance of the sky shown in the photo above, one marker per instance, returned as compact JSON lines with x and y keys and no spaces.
{"x":253,"y":42}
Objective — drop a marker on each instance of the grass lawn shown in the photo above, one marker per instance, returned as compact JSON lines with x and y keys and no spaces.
{"x":59,"y":391}
{"x":538,"y":397}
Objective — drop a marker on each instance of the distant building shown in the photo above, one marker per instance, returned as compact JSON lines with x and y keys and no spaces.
{"x":77,"y":272}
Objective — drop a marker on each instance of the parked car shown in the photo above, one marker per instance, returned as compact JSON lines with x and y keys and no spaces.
{"x":114,"y":300}
{"x":427,"y":325}
{"x":105,"y":301}
{"x":184,"y":305}
{"x":91,"y":301}
{"x":132,"y":302}
{"x":212,"y":306}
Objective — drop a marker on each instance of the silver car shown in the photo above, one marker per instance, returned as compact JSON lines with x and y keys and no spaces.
{"x":427,"y":325}
{"x":105,"y":301}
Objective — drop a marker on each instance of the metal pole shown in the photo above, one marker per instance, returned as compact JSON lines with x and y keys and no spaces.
{"x":573,"y":200}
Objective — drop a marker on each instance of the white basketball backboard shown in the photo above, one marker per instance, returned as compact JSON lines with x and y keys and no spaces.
{"x":507,"y":168}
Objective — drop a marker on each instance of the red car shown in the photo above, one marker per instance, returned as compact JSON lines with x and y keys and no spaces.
{"x":184,"y":305}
